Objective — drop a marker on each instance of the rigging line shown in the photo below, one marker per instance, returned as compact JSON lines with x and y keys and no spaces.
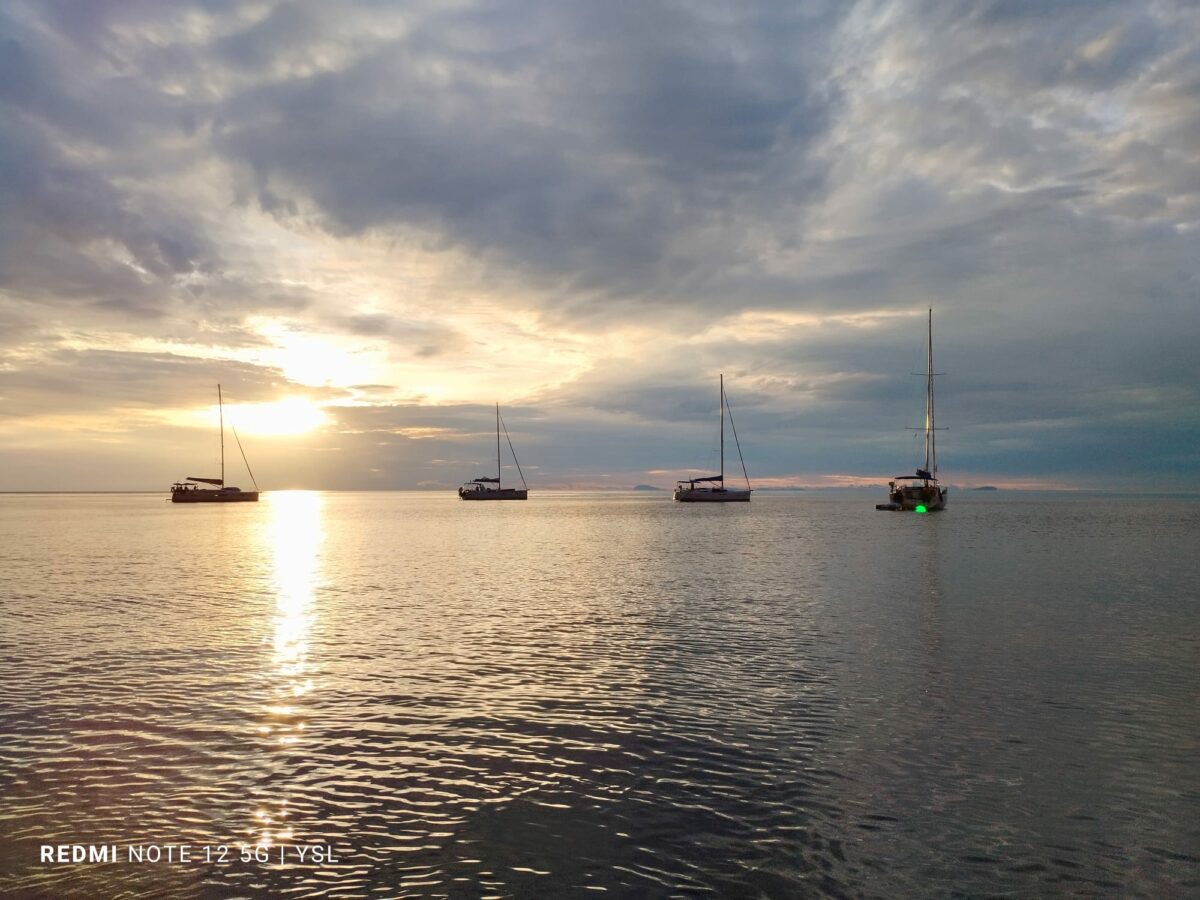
{"x":246,"y":461}
{"x":514,"y":452}
{"x":737,"y":443}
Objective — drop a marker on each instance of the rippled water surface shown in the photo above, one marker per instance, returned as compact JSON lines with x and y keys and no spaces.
{"x":603,"y":693}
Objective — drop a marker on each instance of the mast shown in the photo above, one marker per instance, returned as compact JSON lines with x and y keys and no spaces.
{"x":722,"y":429}
{"x":497,"y":446}
{"x":930,"y":440}
{"x":221,"y":418}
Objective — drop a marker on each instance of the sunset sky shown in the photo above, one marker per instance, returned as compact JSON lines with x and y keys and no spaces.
{"x":370,"y":221}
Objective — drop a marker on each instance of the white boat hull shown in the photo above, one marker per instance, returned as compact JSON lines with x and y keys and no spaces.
{"x":711,"y":495}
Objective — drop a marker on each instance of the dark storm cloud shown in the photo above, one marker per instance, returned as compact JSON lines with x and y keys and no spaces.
{"x":574,"y":141}
{"x":65,"y":209}
{"x":83,"y":234}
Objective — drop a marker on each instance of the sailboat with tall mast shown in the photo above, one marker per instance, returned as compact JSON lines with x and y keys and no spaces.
{"x":921,"y":492}
{"x":481,"y":488}
{"x":189,"y":490}
{"x":711,"y":488}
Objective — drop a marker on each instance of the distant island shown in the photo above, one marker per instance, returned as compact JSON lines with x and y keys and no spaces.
{"x":646,"y":487}
{"x":986,"y":487}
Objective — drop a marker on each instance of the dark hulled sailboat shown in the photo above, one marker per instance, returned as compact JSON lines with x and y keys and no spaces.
{"x":711,"y":488}
{"x":921,"y":492}
{"x":481,"y":488}
{"x":189,"y":490}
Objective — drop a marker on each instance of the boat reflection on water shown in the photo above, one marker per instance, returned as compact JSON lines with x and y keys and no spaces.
{"x":295,"y":535}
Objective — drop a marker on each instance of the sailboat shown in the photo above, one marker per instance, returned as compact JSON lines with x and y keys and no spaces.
{"x":481,"y":488}
{"x":711,"y":488}
{"x":921,"y":492}
{"x":189,"y":490}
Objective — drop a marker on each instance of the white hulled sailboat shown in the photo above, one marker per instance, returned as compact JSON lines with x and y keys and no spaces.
{"x":481,"y":488}
{"x":711,"y":488}
{"x":921,"y":492}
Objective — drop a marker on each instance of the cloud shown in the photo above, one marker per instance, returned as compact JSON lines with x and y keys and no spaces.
{"x":607,"y":151}
{"x":71,"y":381}
{"x":589,"y":210}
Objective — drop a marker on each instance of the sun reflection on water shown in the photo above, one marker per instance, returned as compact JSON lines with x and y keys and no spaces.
{"x":294,"y":534}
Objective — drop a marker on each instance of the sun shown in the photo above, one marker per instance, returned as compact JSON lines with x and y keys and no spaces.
{"x":287,"y":416}
{"x":321,"y":359}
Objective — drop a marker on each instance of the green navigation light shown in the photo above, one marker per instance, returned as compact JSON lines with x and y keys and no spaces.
{"x":921,"y":508}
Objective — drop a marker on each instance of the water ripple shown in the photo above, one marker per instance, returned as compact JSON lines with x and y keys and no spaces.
{"x":600,"y":693}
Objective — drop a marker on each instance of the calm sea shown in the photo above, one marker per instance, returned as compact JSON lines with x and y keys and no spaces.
{"x":602,"y":693}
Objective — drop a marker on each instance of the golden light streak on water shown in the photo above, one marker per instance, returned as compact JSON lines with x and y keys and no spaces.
{"x":294,"y":533}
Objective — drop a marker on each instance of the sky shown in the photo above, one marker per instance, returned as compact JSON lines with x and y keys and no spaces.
{"x":371,"y":221}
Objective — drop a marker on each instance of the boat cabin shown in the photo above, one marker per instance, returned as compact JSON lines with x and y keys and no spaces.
{"x":712,"y":484}
{"x":478,"y":485}
{"x":910,"y":491}
{"x":710,"y":488}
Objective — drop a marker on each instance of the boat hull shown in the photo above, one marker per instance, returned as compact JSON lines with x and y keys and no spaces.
{"x":907,"y":499}
{"x":504,"y":494}
{"x":708,"y":495}
{"x":214,"y":497}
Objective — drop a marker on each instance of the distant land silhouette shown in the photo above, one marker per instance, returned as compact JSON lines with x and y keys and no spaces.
{"x":985,"y":487}
{"x":647,"y":487}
